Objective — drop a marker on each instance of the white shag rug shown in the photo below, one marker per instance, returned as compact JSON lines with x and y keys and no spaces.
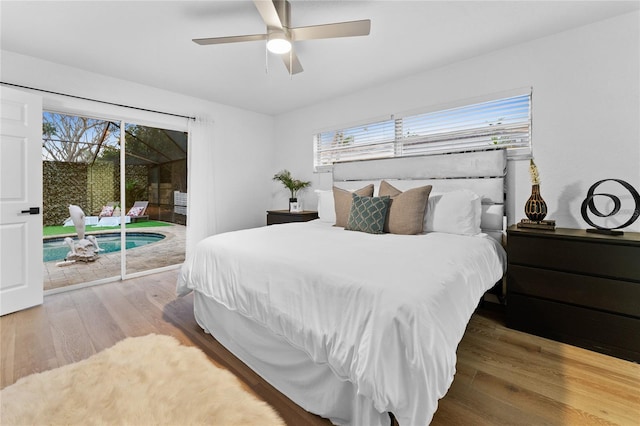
{"x":150,"y":380}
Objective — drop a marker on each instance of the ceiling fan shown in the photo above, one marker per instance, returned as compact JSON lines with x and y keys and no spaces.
{"x":276,"y":15}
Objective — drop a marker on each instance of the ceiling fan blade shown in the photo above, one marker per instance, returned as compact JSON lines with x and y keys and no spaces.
{"x":292,"y":62}
{"x":339,"y":29}
{"x":268,"y":9}
{"x":231,"y":39}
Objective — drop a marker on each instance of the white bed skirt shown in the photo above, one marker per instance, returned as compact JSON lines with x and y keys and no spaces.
{"x":312,"y":386}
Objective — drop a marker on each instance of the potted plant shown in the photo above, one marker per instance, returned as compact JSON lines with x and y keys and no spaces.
{"x":293,"y":185}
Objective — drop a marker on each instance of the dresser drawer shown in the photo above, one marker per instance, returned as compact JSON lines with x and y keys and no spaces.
{"x":585,"y":257}
{"x":615,"y":335}
{"x":615,"y":296}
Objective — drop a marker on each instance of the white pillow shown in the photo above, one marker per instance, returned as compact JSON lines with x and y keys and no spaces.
{"x":326,"y":206}
{"x":455,"y":212}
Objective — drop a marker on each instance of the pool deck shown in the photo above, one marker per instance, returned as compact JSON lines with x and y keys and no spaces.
{"x":169,"y":251}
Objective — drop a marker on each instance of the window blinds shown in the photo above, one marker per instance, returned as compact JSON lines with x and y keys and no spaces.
{"x":373,"y":140}
{"x":504,"y":123}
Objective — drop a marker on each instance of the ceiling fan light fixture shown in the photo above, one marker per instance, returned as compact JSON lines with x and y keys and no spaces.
{"x":276,"y":15}
{"x":278,"y":43}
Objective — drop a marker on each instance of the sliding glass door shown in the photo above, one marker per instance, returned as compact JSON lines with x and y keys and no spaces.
{"x":132,"y":198}
{"x":155,"y":193}
{"x":80,"y":177}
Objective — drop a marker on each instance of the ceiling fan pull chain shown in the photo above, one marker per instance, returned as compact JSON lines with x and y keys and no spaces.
{"x":266,"y":59}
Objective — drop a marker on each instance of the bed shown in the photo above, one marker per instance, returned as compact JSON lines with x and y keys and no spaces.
{"x":350,"y":325}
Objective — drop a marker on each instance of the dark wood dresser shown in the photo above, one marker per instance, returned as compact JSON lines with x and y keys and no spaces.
{"x":285,"y":216}
{"x":576,"y":287}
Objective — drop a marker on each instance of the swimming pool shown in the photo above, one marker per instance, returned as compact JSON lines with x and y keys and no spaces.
{"x":54,"y":249}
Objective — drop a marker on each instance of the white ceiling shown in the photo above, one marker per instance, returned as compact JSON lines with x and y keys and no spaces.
{"x":149,"y":42}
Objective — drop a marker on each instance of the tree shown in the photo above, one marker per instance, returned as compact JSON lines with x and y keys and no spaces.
{"x":151,"y":145}
{"x":500,"y":139}
{"x":69,"y":138}
{"x":340,"y":139}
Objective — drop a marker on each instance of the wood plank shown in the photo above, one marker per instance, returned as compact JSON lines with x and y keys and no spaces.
{"x":102,"y":333}
{"x":503,"y":376}
{"x":457,"y":165}
{"x":130,"y":321}
{"x":549,"y":409}
{"x":618,"y":376}
{"x":542,"y":377}
{"x":453,"y":412}
{"x":34,"y":347}
{"x":70,"y":337}
{"x":7,"y":348}
{"x":489,"y":407}
{"x":150,"y":305}
{"x":489,"y":190}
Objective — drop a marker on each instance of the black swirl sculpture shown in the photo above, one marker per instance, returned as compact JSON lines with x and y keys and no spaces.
{"x":588,"y":203}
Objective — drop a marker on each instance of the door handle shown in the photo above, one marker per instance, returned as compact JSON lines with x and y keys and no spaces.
{"x":32,"y":210}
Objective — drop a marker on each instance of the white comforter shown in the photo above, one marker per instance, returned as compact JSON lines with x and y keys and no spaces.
{"x":385,"y":312}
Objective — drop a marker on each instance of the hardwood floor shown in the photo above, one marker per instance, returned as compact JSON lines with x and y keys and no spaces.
{"x":503,"y":376}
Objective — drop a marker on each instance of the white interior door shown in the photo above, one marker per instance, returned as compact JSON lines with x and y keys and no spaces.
{"x":21,"y":265}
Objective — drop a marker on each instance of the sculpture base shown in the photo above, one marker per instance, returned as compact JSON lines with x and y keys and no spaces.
{"x":82,"y":257}
{"x":605,"y":231}
{"x":85,"y":250}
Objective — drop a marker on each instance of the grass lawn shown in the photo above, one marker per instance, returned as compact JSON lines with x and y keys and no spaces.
{"x":49,"y":231}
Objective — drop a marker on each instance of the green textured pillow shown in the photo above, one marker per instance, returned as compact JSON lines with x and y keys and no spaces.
{"x":368,"y":214}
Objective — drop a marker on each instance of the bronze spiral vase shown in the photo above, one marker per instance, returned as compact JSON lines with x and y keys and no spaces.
{"x":535,"y":208}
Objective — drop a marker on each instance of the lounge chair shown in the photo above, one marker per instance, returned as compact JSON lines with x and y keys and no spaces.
{"x":107,"y":209}
{"x":112,"y":221}
{"x":105,"y":216}
{"x":136,"y":213}
{"x":138,"y":210}
{"x":88,"y":220}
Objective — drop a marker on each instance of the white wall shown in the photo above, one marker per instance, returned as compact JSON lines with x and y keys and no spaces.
{"x":586,"y":109}
{"x":219,"y":167}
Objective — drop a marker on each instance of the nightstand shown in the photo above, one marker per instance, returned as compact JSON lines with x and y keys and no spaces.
{"x":576,"y":287}
{"x":285,"y":216}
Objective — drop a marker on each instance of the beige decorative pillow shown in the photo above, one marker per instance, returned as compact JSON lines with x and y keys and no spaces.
{"x":343,"y":200}
{"x":406,"y":212}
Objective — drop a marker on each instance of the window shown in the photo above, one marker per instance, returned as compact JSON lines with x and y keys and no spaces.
{"x":503,"y":122}
{"x":373,"y":140}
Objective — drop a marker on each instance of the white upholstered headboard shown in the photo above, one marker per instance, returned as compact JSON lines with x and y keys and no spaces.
{"x":482,"y":172}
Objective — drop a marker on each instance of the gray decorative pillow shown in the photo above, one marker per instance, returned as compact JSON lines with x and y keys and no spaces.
{"x":407,"y":209}
{"x":368,"y":214}
{"x":342,"y":199}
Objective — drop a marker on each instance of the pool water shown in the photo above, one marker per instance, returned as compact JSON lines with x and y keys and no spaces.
{"x":54,"y":249}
